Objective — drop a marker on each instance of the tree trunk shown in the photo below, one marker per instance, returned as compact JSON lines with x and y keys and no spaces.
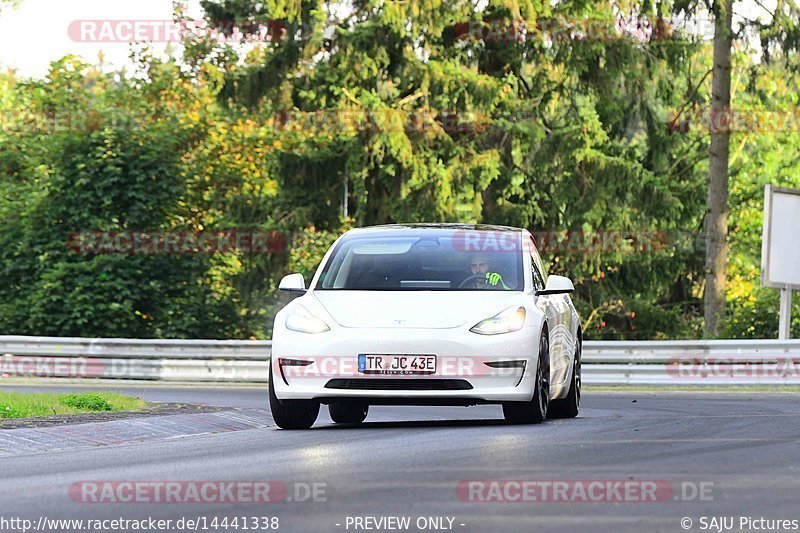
{"x":717,"y":214}
{"x":488,"y":204}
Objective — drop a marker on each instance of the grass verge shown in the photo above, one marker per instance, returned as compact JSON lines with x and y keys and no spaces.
{"x":24,"y":405}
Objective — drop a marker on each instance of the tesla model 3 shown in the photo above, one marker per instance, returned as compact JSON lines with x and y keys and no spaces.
{"x":435,"y":314}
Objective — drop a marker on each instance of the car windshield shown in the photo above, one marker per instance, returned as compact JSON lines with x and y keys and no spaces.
{"x":425,"y":260}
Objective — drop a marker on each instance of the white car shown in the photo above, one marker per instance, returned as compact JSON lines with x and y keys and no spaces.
{"x":427,"y":314}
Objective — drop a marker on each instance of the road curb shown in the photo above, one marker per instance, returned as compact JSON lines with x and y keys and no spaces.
{"x":25,"y":441}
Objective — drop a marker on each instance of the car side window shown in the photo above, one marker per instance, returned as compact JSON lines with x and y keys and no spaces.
{"x":536,"y":273}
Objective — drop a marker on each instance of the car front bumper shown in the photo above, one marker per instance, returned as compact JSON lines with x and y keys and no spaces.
{"x":461,"y":363}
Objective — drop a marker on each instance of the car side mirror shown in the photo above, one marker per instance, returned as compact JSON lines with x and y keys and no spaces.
{"x":293,"y":283}
{"x":556,"y":285}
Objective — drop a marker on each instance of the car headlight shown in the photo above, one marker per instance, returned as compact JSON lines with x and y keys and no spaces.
{"x":301,"y":319}
{"x":506,"y":321}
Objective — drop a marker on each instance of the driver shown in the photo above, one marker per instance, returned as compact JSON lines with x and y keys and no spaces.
{"x":479,"y":264}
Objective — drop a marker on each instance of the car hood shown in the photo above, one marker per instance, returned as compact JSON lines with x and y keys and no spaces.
{"x":412,"y":309}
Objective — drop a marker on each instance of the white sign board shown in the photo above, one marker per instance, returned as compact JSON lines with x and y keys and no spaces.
{"x":780,"y":248}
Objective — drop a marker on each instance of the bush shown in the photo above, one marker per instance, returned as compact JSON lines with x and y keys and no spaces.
{"x":88,"y":402}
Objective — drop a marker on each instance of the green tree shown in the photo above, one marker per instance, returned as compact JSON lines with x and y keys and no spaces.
{"x":106,"y":160}
{"x":519,"y":128}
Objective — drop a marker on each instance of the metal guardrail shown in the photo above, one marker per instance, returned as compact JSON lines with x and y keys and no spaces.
{"x":717,"y":363}
{"x":135,"y":359}
{"x":138,"y":348}
{"x":728,"y":363}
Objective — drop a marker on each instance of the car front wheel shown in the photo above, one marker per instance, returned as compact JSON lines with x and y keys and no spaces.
{"x":535,"y":410}
{"x":291,"y":414}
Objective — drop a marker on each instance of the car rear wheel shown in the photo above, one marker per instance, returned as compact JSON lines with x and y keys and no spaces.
{"x":568,"y":407}
{"x":535,"y":410}
{"x":291,"y":414}
{"x":348,"y":412}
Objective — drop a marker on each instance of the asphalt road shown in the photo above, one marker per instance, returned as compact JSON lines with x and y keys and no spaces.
{"x":729,"y":455}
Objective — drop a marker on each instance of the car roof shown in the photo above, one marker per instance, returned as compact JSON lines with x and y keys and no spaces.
{"x":437,"y":226}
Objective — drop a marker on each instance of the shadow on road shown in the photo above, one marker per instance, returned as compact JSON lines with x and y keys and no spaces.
{"x":416,"y":424}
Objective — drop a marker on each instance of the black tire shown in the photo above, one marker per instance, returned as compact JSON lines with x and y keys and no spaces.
{"x":570,"y":406}
{"x":348,"y":412}
{"x":535,"y":410}
{"x":292,"y":414}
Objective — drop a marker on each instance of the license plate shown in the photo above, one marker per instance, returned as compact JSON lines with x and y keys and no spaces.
{"x":396,"y":364}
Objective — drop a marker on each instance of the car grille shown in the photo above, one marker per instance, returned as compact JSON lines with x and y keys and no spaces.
{"x":399,"y":384}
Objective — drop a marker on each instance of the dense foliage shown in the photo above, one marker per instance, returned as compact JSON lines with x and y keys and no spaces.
{"x":422,"y":110}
